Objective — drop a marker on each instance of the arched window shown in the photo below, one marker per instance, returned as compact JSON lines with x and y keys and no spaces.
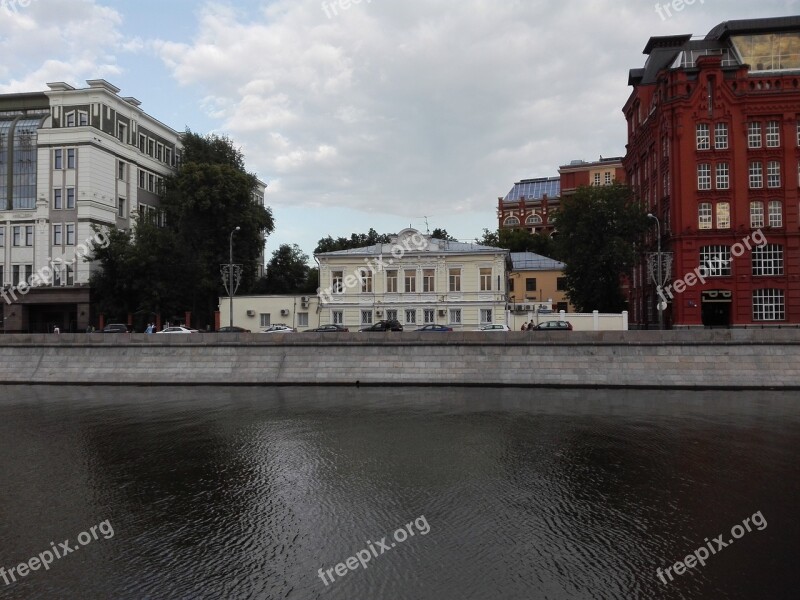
{"x":533,"y":220}
{"x":511,"y":221}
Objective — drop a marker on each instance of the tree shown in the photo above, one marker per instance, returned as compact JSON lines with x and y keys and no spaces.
{"x":597,"y":230}
{"x":287,"y":271}
{"x":168,"y":270}
{"x":441,"y":234}
{"x":519,"y":240}
{"x":356,"y":240}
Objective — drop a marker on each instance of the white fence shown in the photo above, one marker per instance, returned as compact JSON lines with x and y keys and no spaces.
{"x":593,"y":321}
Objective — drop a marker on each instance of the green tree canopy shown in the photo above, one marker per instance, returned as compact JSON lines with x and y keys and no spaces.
{"x":597,"y":230}
{"x":287,"y":272}
{"x":356,"y":240}
{"x":519,"y":240}
{"x":172,"y":269}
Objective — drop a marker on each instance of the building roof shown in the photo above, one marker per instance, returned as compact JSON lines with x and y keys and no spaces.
{"x":534,"y":189}
{"x":430,"y":244}
{"x":530,"y":261}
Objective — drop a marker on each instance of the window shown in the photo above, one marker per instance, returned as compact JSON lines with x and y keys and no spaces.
{"x":15,"y":280}
{"x":455,"y":316}
{"x":798,"y":134}
{"x":141,"y":179}
{"x":754,"y":135}
{"x":511,"y":221}
{"x":533,"y":220}
{"x":703,"y":136}
{"x":486,"y":315}
{"x":530,"y":284}
{"x":70,"y":234}
{"x":391,"y":314}
{"x":151,"y":182}
{"x":510,"y":284}
{"x":2,"y":243}
{"x":70,"y":197}
{"x":704,"y":176}
{"x":121,"y":170}
{"x":58,"y":159}
{"x":665,"y":144}
{"x":775,"y":211}
{"x":83,"y":118}
{"x":57,"y":235}
{"x":159,"y":152}
{"x":768,"y":260}
{"x":365,"y":275}
{"x":366,"y":317}
{"x":337,"y":282}
{"x":28,"y":273}
{"x":607,"y":178}
{"x":121,"y":207}
{"x":756,"y":214}
{"x":486,"y":279}
{"x":16,"y":235}
{"x":264,"y":319}
{"x":70,"y":275}
{"x":70,"y":119}
{"x":723,"y":176}
{"x":721,"y":136}
{"x":561,"y":284}
{"x":428,"y":280}
{"x":302,"y":319}
{"x":410,"y":280}
{"x":57,"y":276}
{"x":455,"y":280}
{"x":411,"y":316}
{"x":2,"y":275}
{"x":716,"y":261}
{"x":337,"y":317}
{"x":57,"y":200}
{"x":666,"y":184}
{"x":71,"y":158}
{"x":768,"y":305}
{"x":428,"y":316}
{"x":756,"y":175}
{"x":723,"y":215}
{"x":704,"y":215}
{"x":773,"y":134}
{"x":168,"y":156}
{"x":142,"y":142}
{"x":391,"y":281}
{"x":596,"y":179}
{"x":151,"y":147}
{"x":773,"y":174}
{"x":122,"y":132}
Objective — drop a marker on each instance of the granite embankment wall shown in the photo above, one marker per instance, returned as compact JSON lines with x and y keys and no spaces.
{"x":745,"y":358}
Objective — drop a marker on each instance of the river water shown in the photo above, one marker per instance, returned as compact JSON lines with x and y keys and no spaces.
{"x":509,"y":493}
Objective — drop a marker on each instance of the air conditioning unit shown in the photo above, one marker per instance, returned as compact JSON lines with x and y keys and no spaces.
{"x":304,"y":301}
{"x":251,"y":313}
{"x":284,"y":311}
{"x":379,"y":313}
{"x":528,"y":307}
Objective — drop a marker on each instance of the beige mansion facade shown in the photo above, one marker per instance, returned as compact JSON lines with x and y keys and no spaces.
{"x":416,"y":279}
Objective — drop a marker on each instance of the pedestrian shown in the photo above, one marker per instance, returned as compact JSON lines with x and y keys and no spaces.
{"x":530,"y":325}
{"x":56,"y":330}
{"x":524,"y":327}
{"x":149,"y":328}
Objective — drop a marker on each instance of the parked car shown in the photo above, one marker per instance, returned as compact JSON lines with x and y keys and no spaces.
{"x":229,"y":329}
{"x":115,"y":328}
{"x":328,"y":329}
{"x":385,"y":325}
{"x":555,"y":325}
{"x":495,"y":328}
{"x":277,"y":328}
{"x":177,"y":329}
{"x":433,"y":327}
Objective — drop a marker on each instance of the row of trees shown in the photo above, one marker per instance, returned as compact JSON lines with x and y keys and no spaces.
{"x":169,"y":269}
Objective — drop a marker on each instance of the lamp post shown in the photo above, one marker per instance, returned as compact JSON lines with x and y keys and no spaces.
{"x":659,"y":275}
{"x":230,"y":275}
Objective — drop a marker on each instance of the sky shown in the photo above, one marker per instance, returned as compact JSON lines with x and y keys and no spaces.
{"x":370,"y":113}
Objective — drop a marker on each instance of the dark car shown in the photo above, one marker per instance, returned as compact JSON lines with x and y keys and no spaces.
{"x":229,"y":329}
{"x":386,"y":325}
{"x":433,"y":327}
{"x":115,"y":328}
{"x":328,"y":329}
{"x":555,"y":325}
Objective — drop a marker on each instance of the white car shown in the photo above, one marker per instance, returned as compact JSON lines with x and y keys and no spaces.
{"x":278,"y":328}
{"x":177,"y":330}
{"x":495,"y":328}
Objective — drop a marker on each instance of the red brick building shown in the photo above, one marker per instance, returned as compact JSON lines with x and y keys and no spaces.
{"x":714,"y":153}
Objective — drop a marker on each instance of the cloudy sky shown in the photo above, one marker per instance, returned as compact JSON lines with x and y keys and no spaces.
{"x":376,"y":113}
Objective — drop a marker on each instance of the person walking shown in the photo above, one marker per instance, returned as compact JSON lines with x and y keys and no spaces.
{"x":56,"y":330}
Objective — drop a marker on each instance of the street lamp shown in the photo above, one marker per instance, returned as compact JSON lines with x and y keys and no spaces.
{"x":230,"y":275}
{"x":658,"y":278}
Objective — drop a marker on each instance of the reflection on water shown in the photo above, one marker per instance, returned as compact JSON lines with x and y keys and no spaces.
{"x":247,"y":492}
